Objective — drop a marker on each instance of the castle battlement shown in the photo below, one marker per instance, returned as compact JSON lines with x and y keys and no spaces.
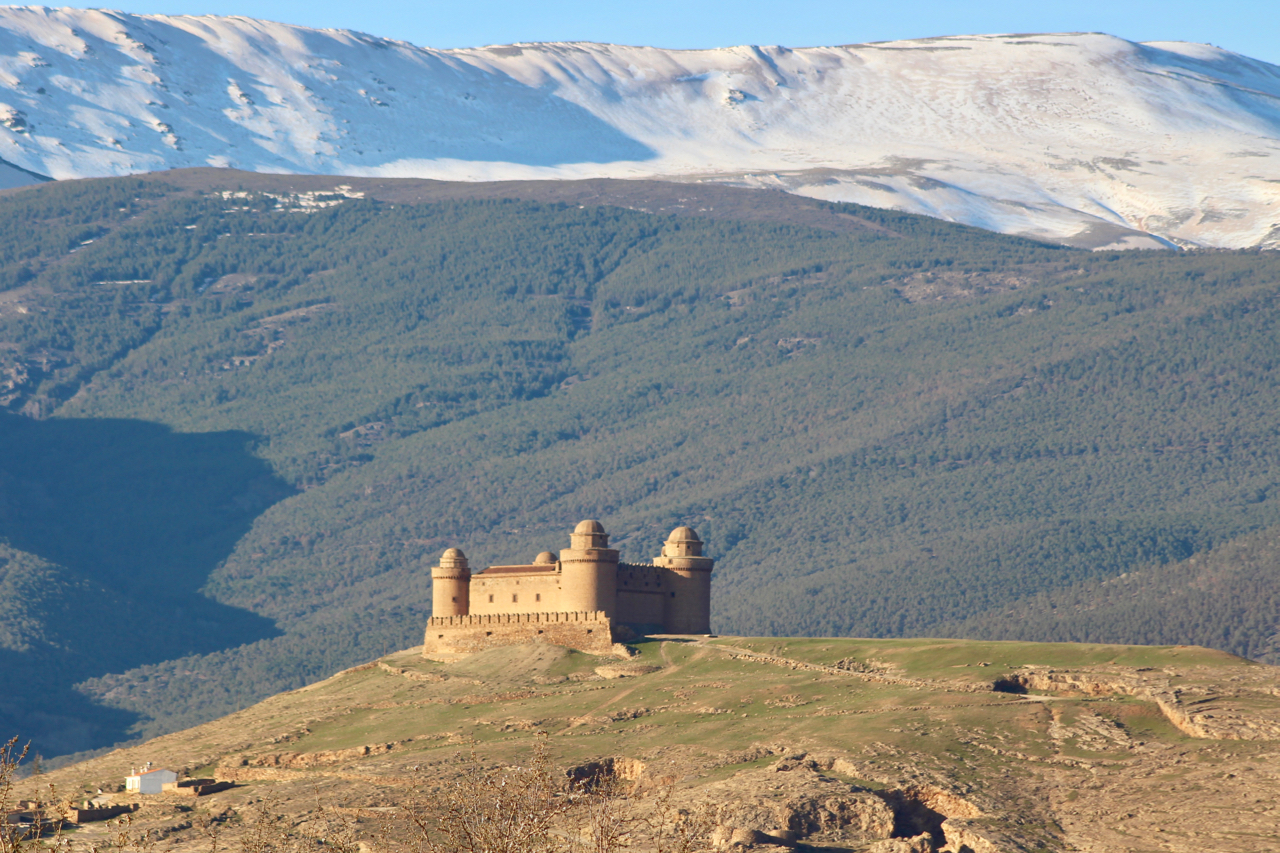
{"x":480,"y":620}
{"x":581,"y":599}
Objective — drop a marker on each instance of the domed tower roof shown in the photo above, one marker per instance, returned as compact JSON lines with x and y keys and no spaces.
{"x":546,"y":558}
{"x":683,"y":542}
{"x":684,"y":534}
{"x":453,"y":564}
{"x":453,"y":558}
{"x":589,"y":534}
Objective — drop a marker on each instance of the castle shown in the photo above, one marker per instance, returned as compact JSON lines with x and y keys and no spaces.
{"x":585,"y":599}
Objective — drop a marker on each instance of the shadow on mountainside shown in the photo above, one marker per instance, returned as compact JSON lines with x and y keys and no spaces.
{"x":108,"y":531}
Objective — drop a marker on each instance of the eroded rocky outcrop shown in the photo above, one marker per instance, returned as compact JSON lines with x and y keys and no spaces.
{"x":791,"y":801}
{"x":606,"y":772}
{"x":1224,"y":715}
{"x":919,"y":844}
{"x":797,"y":800}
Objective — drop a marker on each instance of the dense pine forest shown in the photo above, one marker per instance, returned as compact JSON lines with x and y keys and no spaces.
{"x":240,"y":423}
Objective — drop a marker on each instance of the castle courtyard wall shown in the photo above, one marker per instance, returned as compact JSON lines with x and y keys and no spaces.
{"x":588,"y":631}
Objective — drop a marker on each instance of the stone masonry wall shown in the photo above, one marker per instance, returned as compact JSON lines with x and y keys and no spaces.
{"x":642,"y":592}
{"x":515,"y":593}
{"x":588,"y":631}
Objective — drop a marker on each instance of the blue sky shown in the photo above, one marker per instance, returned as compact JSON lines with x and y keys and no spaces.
{"x":1251,"y":27}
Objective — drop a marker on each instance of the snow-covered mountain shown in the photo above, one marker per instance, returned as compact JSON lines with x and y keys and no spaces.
{"x":1085,"y":138}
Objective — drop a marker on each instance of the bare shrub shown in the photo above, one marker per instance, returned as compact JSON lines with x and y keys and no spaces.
{"x":501,"y":810}
{"x":270,"y":831}
{"x":24,"y":826}
{"x":536,"y":809}
{"x":673,"y":828}
{"x":127,"y":838}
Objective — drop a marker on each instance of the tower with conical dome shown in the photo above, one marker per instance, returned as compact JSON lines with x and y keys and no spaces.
{"x":589,"y":571}
{"x":688,"y":581}
{"x":451,"y":585}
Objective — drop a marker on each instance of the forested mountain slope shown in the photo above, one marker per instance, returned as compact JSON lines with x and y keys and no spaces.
{"x":1227,"y":597}
{"x":254,"y":416}
{"x":1079,"y":137}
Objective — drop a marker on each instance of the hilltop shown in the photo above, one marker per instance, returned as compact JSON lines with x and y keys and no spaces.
{"x":1076,"y":137}
{"x":836,"y":743}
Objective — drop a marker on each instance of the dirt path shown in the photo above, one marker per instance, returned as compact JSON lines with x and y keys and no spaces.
{"x":669,"y":667}
{"x":589,"y":715}
{"x":676,"y":667}
{"x":875,"y":677}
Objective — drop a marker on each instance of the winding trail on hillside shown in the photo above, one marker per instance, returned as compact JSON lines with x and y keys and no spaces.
{"x":737,"y":652}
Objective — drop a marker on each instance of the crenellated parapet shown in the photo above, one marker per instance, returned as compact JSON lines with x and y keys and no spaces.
{"x":450,"y":636}
{"x":479,"y":620}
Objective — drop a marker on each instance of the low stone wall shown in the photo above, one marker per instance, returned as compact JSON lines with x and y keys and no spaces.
{"x":97,"y":813}
{"x":196,"y":787}
{"x":585,"y":630}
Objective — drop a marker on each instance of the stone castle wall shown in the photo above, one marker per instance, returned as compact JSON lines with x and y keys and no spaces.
{"x":588,"y":631}
{"x":640,"y":576}
{"x":642,"y":593}
{"x":515,"y":593}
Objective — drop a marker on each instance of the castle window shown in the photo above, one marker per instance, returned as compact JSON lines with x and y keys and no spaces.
{"x":491,"y":597}
{"x":455,"y":599}
{"x":537,"y":597}
{"x":514,"y":598}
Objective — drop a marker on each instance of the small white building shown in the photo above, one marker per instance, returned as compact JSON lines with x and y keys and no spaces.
{"x":148,"y":781}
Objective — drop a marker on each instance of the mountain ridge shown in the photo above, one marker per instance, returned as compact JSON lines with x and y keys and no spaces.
{"x":1086,"y":139}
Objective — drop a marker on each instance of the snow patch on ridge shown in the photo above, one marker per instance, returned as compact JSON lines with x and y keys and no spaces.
{"x":1082,"y":138}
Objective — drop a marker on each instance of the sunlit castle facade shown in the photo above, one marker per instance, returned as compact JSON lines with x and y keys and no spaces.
{"x":584,"y":598}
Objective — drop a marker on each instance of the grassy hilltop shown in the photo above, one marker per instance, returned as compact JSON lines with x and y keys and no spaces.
{"x":840,"y":743}
{"x":245,"y":413}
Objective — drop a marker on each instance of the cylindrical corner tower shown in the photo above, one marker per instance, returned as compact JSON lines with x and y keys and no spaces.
{"x":589,"y":571}
{"x":451,"y":585}
{"x":687,"y":602}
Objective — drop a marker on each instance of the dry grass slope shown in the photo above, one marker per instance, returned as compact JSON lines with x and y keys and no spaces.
{"x":828,"y":743}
